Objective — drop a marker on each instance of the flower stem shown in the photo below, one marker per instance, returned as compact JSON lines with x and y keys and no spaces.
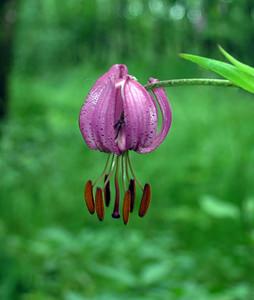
{"x":190,"y":81}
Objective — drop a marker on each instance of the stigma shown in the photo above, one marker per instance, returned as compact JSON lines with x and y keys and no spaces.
{"x":118,"y":174}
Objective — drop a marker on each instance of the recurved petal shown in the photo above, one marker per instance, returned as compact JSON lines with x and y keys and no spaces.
{"x":140,"y":115}
{"x":166,"y":112}
{"x":97,"y":93}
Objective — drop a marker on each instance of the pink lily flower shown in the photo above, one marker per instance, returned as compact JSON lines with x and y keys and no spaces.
{"x":120,"y":115}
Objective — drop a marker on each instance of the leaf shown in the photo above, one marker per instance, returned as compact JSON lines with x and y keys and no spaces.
{"x":218,"y":208}
{"x":239,"y":65}
{"x":237,"y":77}
{"x":154,"y":272}
{"x":119,"y":275}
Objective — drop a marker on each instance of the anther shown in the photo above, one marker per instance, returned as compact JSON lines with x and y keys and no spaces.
{"x":145,"y":201}
{"x":132,"y":189}
{"x":107,"y":191}
{"x":88,"y":196}
{"x":99,"y":206}
{"x":126,"y":206}
{"x":115,"y":213}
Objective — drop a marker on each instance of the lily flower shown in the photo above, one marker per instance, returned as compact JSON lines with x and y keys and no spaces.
{"x":120,"y":115}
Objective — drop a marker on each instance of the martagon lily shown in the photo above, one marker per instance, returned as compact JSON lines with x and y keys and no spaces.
{"x":120,"y":115}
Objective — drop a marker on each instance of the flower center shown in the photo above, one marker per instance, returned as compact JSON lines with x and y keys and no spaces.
{"x":120,"y":169}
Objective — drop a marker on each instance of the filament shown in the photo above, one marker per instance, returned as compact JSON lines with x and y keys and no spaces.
{"x":115,"y":213}
{"x":126,"y":166}
{"x":133,"y":173}
{"x":111,"y":170}
{"x":104,"y":170}
{"x":123,"y":173}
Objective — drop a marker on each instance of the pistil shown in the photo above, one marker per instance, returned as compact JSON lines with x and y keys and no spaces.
{"x":116,"y":213}
{"x":123,"y":165}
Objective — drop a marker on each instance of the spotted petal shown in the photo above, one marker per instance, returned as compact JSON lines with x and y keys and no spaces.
{"x":103,"y":121}
{"x":163,"y":103}
{"x":96,"y":95}
{"x":140,"y":115}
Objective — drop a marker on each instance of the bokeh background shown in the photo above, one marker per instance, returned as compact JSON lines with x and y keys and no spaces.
{"x":197,"y":240}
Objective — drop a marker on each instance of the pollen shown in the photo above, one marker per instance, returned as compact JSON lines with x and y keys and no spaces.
{"x":119,"y":116}
{"x":145,"y":201}
{"x":132,"y":189}
{"x":125,"y":184}
{"x":126,"y":206}
{"x":88,"y":196}
{"x":99,"y":206}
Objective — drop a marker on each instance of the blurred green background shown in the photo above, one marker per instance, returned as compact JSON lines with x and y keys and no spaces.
{"x":197,"y":240}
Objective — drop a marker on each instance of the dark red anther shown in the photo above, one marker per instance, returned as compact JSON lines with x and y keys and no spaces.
{"x":88,"y":196}
{"x":132,"y":189}
{"x":107,"y":191}
{"x":99,"y":206}
{"x":115,"y":213}
{"x":145,"y":201}
{"x":126,"y":206}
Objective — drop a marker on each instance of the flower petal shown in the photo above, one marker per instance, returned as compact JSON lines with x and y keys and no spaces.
{"x":103,"y":121}
{"x":140,"y":115}
{"x":163,"y":102}
{"x":95,"y":95}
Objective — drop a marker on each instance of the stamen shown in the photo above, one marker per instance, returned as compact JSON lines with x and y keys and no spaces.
{"x":123,"y":173}
{"x":126,"y":207}
{"x":107,"y":191}
{"x":111,"y":170}
{"x":145,"y":201}
{"x":132,"y":189}
{"x":116,"y":213}
{"x":88,"y":195}
{"x":99,"y":206}
{"x":132,"y":171}
{"x":104,"y":170}
{"x":126,"y":166}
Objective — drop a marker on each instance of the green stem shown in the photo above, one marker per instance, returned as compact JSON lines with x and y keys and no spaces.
{"x":190,"y":81}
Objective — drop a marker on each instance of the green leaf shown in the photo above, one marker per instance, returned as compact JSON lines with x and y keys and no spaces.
{"x":217,"y":208}
{"x":154,"y":272}
{"x":239,"y":65}
{"x":236,"y":76}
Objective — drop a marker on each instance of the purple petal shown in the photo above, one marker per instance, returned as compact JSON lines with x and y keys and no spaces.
{"x":163,"y":102}
{"x":140,"y":115}
{"x":103,"y":121}
{"x":95,"y":96}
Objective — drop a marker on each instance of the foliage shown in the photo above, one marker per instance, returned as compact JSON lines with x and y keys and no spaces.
{"x":197,"y":240}
{"x":238,"y":73}
{"x":152,"y":32}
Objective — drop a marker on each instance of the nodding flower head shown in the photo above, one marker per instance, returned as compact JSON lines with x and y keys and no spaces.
{"x":120,"y":115}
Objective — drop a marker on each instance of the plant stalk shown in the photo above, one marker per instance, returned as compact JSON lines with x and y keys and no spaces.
{"x":190,"y":81}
